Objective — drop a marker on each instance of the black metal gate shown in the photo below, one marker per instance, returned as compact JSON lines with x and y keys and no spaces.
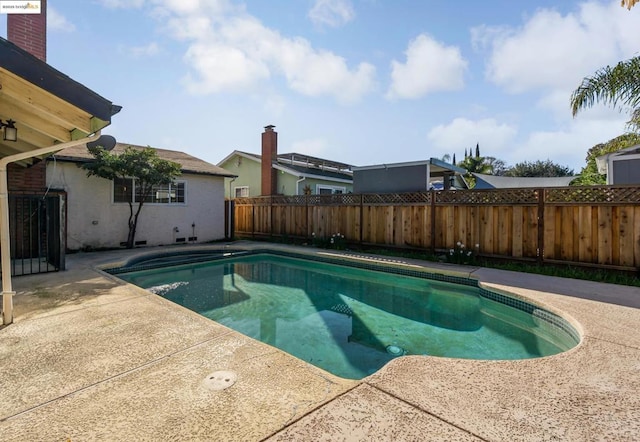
{"x":36,"y":225}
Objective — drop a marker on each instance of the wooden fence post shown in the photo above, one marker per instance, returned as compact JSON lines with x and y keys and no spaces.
{"x":270,"y":216}
{"x":433,"y":221}
{"x":253,"y":219}
{"x":306,"y":216}
{"x":541,"y":204}
{"x":361,"y":217}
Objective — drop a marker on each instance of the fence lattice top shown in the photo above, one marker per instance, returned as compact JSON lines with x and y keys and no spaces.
{"x":556,"y":195}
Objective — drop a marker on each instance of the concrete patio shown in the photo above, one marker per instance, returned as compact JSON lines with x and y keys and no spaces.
{"x":90,"y":357}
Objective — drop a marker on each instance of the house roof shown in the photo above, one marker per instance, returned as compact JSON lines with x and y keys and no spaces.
{"x":436,"y":165}
{"x":303,"y":165}
{"x":188,"y":163}
{"x":47,"y":106}
{"x":506,"y":182}
{"x":314,"y":172}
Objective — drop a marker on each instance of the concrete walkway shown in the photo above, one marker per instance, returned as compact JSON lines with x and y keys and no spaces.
{"x":92,"y":358}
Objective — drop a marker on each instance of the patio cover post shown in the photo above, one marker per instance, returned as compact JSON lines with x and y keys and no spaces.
{"x":5,"y":246}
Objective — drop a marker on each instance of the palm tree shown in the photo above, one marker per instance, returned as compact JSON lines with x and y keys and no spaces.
{"x":475,"y":165}
{"x":618,"y":86}
{"x":612,"y":85}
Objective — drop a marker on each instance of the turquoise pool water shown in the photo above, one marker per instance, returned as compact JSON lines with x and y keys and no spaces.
{"x":351,"y":321}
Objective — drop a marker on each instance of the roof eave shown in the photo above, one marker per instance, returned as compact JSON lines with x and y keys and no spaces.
{"x":37,"y":72}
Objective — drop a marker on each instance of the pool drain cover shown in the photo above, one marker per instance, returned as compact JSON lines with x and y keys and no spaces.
{"x":220,"y":380}
{"x":394,"y":350}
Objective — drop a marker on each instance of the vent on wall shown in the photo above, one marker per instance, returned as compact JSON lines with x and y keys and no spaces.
{"x":193,"y":238}
{"x":137,"y":243}
{"x":181,"y":239}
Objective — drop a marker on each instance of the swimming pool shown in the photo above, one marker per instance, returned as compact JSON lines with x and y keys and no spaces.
{"x":352,"y":319}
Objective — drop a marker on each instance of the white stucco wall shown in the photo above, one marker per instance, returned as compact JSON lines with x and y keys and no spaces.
{"x":94,"y":221}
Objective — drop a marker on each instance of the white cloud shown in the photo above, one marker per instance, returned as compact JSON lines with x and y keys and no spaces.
{"x":122,"y":4}
{"x":315,"y":73}
{"x":58,"y":22}
{"x":555,"y":51}
{"x":567,"y":146}
{"x":238,"y":53}
{"x":143,"y":51}
{"x":461,"y":133}
{"x":430,"y":67}
{"x":222,"y":68}
{"x":210,"y":8}
{"x":332,"y":13}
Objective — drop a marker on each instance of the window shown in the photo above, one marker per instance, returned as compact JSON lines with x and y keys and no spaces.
{"x":323,"y":189}
{"x":241,"y":191}
{"x":122,"y":190}
{"x":125,"y":189}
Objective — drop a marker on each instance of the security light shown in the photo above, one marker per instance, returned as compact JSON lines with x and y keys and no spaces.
{"x":10,"y":130}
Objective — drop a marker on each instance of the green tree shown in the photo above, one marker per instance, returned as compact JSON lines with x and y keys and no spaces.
{"x":498,"y":166}
{"x":142,"y":165}
{"x":539,"y":168}
{"x":589,"y":175}
{"x":618,"y":86}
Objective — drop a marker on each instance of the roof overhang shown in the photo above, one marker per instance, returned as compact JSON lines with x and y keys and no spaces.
{"x":238,"y":153}
{"x":47,"y":106}
{"x":435,"y":164}
{"x":602,"y":162}
{"x":299,"y":174}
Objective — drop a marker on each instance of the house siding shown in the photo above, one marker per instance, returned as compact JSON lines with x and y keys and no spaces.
{"x":313,"y":183}
{"x":626,"y":171}
{"x":94,"y":221}
{"x":248,"y":173}
{"x":392,"y":179}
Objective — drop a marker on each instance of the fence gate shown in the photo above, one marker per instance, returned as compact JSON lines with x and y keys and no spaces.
{"x":36,"y":225}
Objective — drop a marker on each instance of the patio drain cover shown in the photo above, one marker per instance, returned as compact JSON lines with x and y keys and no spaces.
{"x":220,"y":380}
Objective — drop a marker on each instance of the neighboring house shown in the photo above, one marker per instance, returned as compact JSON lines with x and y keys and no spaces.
{"x":283,"y":174}
{"x":415,"y":176}
{"x":621,"y":167}
{"x":189,"y":210}
{"x":506,"y":182}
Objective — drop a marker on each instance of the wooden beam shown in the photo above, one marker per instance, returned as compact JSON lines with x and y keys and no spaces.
{"x":24,"y":115}
{"x":98,"y":124}
{"x":34,"y":137}
{"x":44,"y":102}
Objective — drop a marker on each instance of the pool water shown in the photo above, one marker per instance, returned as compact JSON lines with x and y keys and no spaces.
{"x":351,"y":321}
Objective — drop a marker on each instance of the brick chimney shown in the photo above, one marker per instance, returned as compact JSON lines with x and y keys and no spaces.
{"x":269,"y":156}
{"x":29,"y":31}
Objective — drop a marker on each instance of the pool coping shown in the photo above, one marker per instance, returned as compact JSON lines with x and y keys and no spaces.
{"x":587,"y":393}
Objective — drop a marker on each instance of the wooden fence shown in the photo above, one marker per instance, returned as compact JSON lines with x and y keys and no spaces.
{"x":597,"y":225}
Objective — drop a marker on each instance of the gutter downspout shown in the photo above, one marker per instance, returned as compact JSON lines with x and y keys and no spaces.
{"x":5,"y":246}
{"x":298,"y":184}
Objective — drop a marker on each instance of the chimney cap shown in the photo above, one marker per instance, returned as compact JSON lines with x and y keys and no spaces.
{"x":269,"y":128}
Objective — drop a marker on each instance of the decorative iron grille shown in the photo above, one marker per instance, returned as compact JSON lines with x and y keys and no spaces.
{"x":35,"y":226}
